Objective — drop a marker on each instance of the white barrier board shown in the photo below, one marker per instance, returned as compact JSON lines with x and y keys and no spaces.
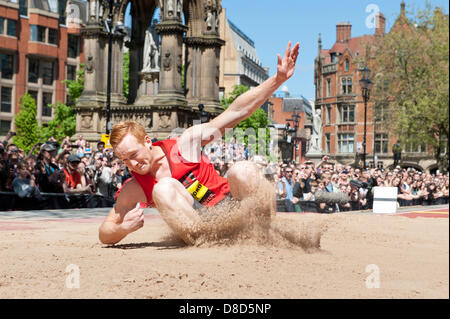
{"x":385,"y":200}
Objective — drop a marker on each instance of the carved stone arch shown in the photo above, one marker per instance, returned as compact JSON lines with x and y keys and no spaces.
{"x":122,"y":10}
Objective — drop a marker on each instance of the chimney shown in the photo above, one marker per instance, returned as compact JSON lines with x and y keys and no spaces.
{"x":380,"y":21}
{"x":343,"y":31}
{"x":320,"y":45}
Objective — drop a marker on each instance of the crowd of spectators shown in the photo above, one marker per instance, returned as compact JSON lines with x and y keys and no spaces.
{"x":61,"y":168}
{"x":76,"y":168}
{"x":335,"y":187}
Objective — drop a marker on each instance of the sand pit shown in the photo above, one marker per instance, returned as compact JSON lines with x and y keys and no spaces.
{"x":306,"y":256}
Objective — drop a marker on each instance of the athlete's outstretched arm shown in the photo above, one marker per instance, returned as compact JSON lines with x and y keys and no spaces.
{"x":243,"y":107}
{"x":246,"y":104}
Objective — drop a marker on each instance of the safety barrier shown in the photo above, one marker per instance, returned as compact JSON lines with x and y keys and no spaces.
{"x":10,"y":201}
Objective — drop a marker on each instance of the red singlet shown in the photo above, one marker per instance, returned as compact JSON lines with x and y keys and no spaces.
{"x":199,"y":179}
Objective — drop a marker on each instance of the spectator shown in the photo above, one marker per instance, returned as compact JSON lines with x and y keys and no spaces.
{"x":24,"y":184}
{"x":87,"y":151}
{"x":103,"y":178}
{"x":48,"y":175}
{"x":74,"y":183}
{"x":101,"y":147}
{"x":285,"y":189}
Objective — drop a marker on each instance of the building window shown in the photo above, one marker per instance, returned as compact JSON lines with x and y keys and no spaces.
{"x":47,"y":72}
{"x":46,"y":100}
{"x":328,"y":142}
{"x":7,"y":69}
{"x":34,"y":95}
{"x":347,"y":65}
{"x":328,"y":87}
{"x":333,"y":57}
{"x":8,"y":27}
{"x":415,"y":148}
{"x":33,"y":70}
{"x":5,"y":127}
{"x":349,"y":86}
{"x":381,"y":143}
{"x":328,"y":114}
{"x":71,"y":72}
{"x":6,"y":96}
{"x":11,"y":28}
{"x":346,"y":143}
{"x":344,"y":86}
{"x":52,"y":36}
{"x":347,"y":114}
{"x":37,"y":33}
{"x":23,"y":7}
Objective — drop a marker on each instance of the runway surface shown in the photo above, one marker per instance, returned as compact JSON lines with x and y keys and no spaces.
{"x":335,"y":256}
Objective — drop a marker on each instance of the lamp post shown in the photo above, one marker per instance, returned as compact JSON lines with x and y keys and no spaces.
{"x":366,"y":86}
{"x":111,"y":29}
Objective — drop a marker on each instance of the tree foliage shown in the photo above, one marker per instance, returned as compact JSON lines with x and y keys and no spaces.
{"x":27,"y":127}
{"x":256,"y":121}
{"x":126,"y":75}
{"x":412,"y":80}
{"x":64,"y":116}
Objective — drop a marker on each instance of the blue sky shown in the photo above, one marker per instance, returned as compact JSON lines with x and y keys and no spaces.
{"x":271,"y":24}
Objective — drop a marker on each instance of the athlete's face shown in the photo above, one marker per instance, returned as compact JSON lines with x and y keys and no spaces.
{"x":136,"y":156}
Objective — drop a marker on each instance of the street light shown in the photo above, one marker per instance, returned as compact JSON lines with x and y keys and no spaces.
{"x":111,"y":29}
{"x":366,"y":87}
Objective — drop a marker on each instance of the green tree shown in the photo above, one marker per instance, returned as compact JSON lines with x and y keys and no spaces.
{"x":63,"y":123}
{"x":412,"y":80}
{"x":126,"y":75}
{"x":256,"y":121}
{"x":64,"y":117}
{"x":27,"y":127}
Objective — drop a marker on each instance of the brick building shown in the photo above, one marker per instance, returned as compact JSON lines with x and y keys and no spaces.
{"x":292,"y":144}
{"x":339,"y":96}
{"x":40,"y":46}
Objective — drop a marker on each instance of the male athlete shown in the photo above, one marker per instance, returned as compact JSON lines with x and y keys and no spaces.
{"x":171,"y":175}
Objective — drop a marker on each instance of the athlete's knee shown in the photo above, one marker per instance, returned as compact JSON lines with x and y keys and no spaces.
{"x":243,"y":171}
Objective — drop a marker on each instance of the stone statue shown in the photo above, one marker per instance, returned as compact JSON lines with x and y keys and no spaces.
{"x":170,"y":8}
{"x":179,"y":8}
{"x":167,"y":62}
{"x":316,"y":136}
{"x":90,"y":64}
{"x":217,"y":22}
{"x":209,"y":20}
{"x":151,"y":53}
{"x":93,"y":10}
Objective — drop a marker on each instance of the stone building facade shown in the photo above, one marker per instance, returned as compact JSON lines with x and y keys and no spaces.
{"x":188,"y":33}
{"x":239,"y":61}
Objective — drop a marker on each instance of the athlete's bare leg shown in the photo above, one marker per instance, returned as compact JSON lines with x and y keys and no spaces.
{"x":175,"y":205}
{"x":246,"y":180}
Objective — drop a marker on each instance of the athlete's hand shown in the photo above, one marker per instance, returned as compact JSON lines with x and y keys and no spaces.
{"x":133,"y":220}
{"x":286,"y":65}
